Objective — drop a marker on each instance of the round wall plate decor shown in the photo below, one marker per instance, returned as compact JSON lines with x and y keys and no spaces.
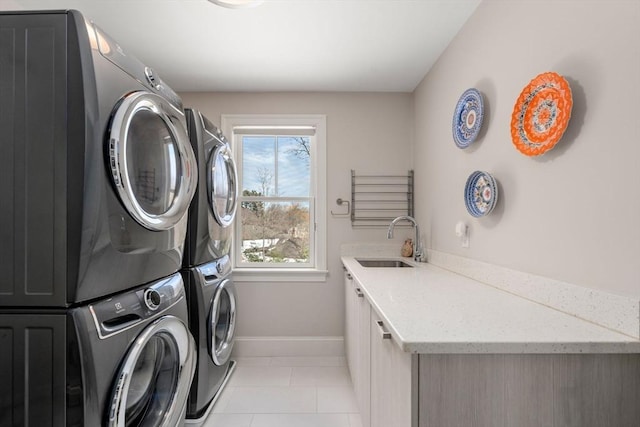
{"x":541,"y":114}
{"x":480,"y":193}
{"x":467,"y":118}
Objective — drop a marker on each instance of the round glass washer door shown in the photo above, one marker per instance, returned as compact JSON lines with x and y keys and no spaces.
{"x":152,"y":164}
{"x":222,"y":185}
{"x":153,"y":383}
{"x":222,"y":322}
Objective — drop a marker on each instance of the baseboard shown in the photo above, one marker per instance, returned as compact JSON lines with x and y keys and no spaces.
{"x":288,"y":346}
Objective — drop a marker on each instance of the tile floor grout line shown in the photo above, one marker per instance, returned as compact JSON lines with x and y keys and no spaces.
{"x":305,"y":371}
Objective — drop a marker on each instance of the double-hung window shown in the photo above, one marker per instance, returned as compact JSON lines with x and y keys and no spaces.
{"x":280,"y":228}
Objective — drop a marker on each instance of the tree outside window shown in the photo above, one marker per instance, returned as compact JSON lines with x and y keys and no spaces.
{"x":276,"y":200}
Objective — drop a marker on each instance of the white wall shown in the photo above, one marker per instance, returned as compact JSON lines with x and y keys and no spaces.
{"x":366,"y":132}
{"x":571,"y":214}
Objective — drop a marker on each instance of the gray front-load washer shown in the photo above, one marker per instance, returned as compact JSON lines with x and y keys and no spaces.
{"x":212,"y":319}
{"x":124,"y":361}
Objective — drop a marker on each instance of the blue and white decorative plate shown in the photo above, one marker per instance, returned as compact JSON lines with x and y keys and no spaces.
{"x":480,"y":193}
{"x":467,"y":118}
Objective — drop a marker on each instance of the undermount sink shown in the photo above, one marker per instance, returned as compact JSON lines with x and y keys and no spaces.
{"x":392,"y":263}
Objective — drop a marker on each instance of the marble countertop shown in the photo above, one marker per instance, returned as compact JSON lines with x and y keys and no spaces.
{"x":431,"y":310}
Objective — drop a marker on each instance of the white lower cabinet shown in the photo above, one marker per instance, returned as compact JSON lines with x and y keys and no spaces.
{"x":357,"y":348}
{"x":363,"y":389}
{"x":350,"y":327}
{"x":392,"y":402}
{"x":380,"y":371}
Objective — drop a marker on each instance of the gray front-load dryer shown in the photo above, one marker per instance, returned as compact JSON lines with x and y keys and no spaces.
{"x":96,"y":162}
{"x":213,"y":209}
{"x":124,"y":361}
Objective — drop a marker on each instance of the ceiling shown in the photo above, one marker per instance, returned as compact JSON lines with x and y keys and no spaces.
{"x":281,"y":45}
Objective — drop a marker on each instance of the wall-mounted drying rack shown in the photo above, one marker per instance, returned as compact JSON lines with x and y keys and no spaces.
{"x":377,"y":199}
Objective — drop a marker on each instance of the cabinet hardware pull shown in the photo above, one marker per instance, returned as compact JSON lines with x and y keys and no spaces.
{"x":349,"y":276}
{"x":384,"y":334}
{"x":359,"y":293}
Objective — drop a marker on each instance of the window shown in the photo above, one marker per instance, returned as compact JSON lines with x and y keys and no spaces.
{"x":280,"y":227}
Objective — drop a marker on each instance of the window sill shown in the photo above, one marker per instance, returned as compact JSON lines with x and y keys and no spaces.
{"x":279,"y":275}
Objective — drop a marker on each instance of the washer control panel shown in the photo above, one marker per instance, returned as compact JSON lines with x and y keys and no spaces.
{"x":128,"y":309}
{"x":215,"y":270}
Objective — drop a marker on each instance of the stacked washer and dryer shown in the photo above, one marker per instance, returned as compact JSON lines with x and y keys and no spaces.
{"x":206,"y":264}
{"x":96,"y":177}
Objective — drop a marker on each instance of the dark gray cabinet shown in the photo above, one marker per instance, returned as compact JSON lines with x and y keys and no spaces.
{"x":529,"y":390}
{"x":33,"y":370}
{"x":33,"y":143}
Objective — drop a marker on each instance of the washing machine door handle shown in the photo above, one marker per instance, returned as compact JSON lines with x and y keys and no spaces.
{"x":150,"y":158}
{"x":167,"y":405}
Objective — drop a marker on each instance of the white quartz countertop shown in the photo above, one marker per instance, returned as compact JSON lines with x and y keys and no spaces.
{"x":431,"y":310}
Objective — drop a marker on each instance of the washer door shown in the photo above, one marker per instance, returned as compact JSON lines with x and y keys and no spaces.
{"x":153,"y":383}
{"x":222,"y":185}
{"x":222,"y":322}
{"x":152,"y":164}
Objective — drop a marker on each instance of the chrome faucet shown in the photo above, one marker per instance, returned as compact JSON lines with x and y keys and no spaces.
{"x":418,"y":252}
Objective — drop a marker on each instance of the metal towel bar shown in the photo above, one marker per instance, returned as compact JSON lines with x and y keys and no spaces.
{"x":378,"y":199}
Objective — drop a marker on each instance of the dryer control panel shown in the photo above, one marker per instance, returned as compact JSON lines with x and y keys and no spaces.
{"x":128,"y":309}
{"x":113,"y":52}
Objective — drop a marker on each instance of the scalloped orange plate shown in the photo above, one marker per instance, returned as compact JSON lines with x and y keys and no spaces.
{"x":541,"y":114}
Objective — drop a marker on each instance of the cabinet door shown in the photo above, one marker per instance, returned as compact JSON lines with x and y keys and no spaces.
{"x":33,"y":359}
{"x":391,"y":379}
{"x":363,"y":389}
{"x":350,"y":327}
{"x":380,"y":374}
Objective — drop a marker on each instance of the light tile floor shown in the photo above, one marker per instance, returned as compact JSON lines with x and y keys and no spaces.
{"x":287,"y":392}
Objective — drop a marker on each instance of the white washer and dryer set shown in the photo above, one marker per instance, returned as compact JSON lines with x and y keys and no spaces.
{"x":117,"y":305}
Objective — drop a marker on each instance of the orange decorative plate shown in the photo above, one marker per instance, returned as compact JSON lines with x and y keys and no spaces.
{"x":541,"y":114}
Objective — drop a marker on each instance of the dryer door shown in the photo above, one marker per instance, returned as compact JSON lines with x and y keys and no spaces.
{"x":222,"y":184}
{"x":222,"y":322}
{"x":151,"y":161}
{"x":153,"y":383}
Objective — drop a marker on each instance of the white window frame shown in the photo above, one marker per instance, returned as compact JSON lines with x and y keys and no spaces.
{"x":318,"y":191}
